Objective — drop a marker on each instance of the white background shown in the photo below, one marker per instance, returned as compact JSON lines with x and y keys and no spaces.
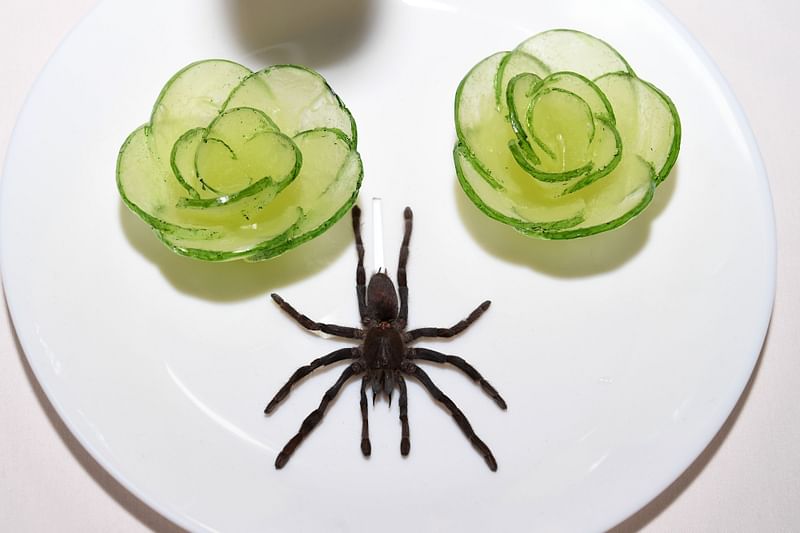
{"x":748,"y":479}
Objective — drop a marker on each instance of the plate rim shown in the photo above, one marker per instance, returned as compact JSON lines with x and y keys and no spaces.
{"x":182,"y":519}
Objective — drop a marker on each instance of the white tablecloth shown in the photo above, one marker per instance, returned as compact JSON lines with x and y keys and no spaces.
{"x":748,"y":479}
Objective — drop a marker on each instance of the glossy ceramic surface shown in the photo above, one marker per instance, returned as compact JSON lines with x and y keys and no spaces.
{"x":620,"y":355}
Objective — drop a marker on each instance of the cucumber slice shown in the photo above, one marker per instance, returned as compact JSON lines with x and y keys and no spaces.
{"x":234,"y":184}
{"x":574,"y":51}
{"x":192,"y":98}
{"x":584,"y":88}
{"x":652,"y":126}
{"x":325,"y":189}
{"x":522,"y":207}
{"x":182,"y":162}
{"x":605,"y":153}
{"x":565,"y":149}
{"x":594,"y":152}
{"x":241,"y":153}
{"x":518,"y":94}
{"x":512,"y":65}
{"x":484,"y":129}
{"x":569,"y":157}
{"x":146,"y":187}
{"x":591,"y":211}
{"x":296,"y":98}
{"x":580,"y":95}
{"x":267,"y":161}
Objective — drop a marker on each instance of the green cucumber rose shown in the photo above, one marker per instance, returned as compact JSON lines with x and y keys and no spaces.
{"x":560,"y":139}
{"x":238,"y":164}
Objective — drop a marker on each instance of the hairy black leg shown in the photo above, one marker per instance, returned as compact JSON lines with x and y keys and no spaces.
{"x":303,"y":320}
{"x":366,"y":447}
{"x":405,"y":440}
{"x":458,"y":416}
{"x":303,"y":371}
{"x":461,"y":364}
{"x":402,"y":281}
{"x":361,"y":277}
{"x":451,"y":331}
{"x":316,"y":415}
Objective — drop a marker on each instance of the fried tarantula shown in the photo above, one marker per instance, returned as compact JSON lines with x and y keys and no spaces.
{"x":384,"y":355}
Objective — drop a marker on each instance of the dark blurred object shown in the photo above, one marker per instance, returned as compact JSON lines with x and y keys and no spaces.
{"x":310,"y":32}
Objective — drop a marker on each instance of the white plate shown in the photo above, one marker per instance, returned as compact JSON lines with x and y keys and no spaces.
{"x":620,"y":355}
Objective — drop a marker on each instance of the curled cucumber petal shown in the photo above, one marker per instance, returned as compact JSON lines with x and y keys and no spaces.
{"x":579,"y":146}
{"x":241,"y":165}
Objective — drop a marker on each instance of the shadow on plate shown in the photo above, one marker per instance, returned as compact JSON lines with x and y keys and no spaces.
{"x":236,"y":280}
{"x":568,"y":258}
{"x":307,"y":32}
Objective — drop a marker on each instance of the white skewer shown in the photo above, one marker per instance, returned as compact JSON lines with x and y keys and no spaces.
{"x":377,"y":236}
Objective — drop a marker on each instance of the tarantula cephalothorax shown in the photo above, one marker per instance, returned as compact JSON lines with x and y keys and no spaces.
{"x":383,"y":357}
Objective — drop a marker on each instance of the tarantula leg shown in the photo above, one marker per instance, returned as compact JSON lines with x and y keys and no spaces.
{"x":451,"y":331}
{"x":303,"y":320}
{"x":366,"y":447}
{"x":458,"y":416}
{"x":405,"y":440}
{"x":438,"y":357}
{"x":402,"y":281}
{"x":303,"y":371}
{"x":316,"y":415}
{"x":361,"y":277}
